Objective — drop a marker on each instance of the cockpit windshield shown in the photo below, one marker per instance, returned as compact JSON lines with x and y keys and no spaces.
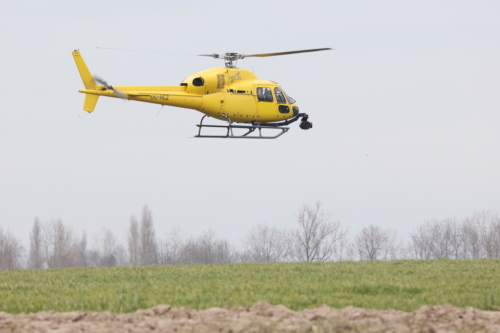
{"x":279,"y":96}
{"x":290,"y":99}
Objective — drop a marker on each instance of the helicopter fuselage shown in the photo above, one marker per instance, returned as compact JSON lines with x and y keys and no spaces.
{"x":223,"y":93}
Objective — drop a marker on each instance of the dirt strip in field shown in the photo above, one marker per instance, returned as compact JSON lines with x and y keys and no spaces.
{"x":261,"y":317}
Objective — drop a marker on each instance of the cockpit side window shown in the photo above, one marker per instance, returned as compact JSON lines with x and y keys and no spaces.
{"x":279,"y":96}
{"x":264,"y":94}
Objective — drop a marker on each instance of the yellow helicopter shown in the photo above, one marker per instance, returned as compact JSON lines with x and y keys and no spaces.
{"x":230,"y":94}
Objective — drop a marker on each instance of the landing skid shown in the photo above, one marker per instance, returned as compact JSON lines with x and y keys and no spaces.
{"x":250,"y":129}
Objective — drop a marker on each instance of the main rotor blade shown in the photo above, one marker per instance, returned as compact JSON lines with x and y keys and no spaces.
{"x":284,"y":53}
{"x":109,"y":48}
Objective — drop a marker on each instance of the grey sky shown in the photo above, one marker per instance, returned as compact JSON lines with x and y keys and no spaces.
{"x":405,"y":112}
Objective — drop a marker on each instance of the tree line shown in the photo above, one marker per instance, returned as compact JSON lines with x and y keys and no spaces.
{"x":316,"y":237}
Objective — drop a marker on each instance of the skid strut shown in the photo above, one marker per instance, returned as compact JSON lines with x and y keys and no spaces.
{"x":250,"y":129}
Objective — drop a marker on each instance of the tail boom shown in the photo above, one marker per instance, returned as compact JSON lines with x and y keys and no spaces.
{"x":166,"y":95}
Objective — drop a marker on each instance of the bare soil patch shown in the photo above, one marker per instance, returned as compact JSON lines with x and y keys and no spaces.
{"x":261,"y":317}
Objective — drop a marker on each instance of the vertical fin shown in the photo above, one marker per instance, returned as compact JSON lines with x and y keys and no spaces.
{"x":87,"y":78}
{"x":90,"y":102}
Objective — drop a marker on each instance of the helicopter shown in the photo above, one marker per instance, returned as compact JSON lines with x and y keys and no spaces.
{"x":234,"y":95}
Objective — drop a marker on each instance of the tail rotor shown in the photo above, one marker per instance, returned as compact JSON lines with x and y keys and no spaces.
{"x":117,"y":92}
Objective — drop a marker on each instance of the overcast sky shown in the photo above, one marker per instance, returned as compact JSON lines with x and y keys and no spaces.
{"x":405,"y":111}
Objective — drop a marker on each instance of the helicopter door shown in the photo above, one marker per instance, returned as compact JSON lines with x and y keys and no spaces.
{"x":241,"y":105}
{"x":266,"y":105}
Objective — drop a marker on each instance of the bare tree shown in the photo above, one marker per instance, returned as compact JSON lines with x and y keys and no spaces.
{"x":175,"y":241}
{"x":267,"y":244}
{"x":317,"y":237}
{"x":106,"y":248}
{"x":472,"y":237}
{"x":36,"y":258}
{"x":437,"y":239}
{"x":11,"y":251}
{"x":60,"y":244}
{"x":442,"y":242}
{"x":375,"y":243}
{"x":421,"y":242}
{"x":121,"y":255}
{"x":344,"y":249}
{"x":201,"y":250}
{"x":488,"y":223}
{"x":225,"y":252}
{"x":46,"y":242}
{"x":207,"y":249}
{"x":134,"y":243}
{"x":148,"y":239}
{"x":170,"y":249}
{"x":82,"y":256}
{"x":162,"y":252}
{"x":458,"y":239}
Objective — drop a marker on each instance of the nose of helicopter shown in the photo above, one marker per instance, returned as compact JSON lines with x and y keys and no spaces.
{"x":295,"y":110}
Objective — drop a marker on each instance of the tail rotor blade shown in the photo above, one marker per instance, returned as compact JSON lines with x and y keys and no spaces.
{"x":117,"y":92}
{"x":100,"y":80}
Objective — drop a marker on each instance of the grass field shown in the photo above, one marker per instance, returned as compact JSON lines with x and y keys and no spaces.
{"x":403,"y":285}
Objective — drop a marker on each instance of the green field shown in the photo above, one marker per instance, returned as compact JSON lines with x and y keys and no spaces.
{"x":404,"y":285}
